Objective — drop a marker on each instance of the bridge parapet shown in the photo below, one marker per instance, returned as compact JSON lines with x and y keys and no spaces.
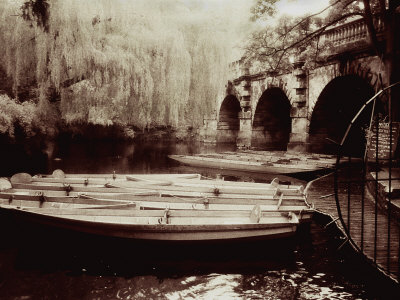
{"x":352,"y":35}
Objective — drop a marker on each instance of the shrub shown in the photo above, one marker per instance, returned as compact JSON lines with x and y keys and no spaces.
{"x":27,"y":119}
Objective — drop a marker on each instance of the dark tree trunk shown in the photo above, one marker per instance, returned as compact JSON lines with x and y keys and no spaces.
{"x":392,"y":59}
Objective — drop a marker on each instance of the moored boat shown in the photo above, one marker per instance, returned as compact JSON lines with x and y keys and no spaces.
{"x":39,"y":199}
{"x":179,"y":188}
{"x":163,"y":225}
{"x":182,"y":194}
{"x":239,"y":165}
{"x":26,"y":198}
{"x":133,"y":208}
{"x":272,"y":162}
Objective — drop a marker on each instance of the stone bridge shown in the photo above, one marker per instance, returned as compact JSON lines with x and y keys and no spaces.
{"x":307,"y":109}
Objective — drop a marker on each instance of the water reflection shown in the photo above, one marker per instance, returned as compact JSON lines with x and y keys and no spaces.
{"x":37,"y":267}
{"x":124,"y":157}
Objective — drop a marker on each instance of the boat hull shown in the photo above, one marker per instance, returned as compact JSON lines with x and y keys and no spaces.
{"x":157,"y":232}
{"x":24,"y":199}
{"x":256,"y":167}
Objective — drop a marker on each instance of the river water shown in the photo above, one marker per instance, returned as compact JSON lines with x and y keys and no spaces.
{"x":32,"y":267}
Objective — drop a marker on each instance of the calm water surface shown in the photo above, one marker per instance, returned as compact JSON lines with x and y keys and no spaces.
{"x":32,"y":267}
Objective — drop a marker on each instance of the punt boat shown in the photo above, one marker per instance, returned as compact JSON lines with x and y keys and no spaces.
{"x":162,"y":225}
{"x":257,"y":166}
{"x":207,"y":195}
{"x":41,"y":199}
{"x":178,"y":188}
{"x":271,"y":162}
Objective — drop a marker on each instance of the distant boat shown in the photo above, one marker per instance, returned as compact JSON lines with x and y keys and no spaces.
{"x":272,"y":162}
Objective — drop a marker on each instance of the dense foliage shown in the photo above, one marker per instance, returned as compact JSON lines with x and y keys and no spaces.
{"x":140,"y":63}
{"x":302,"y":38}
{"x":275,"y":46}
{"x":25,"y":119}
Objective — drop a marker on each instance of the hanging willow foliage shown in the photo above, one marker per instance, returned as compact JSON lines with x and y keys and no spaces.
{"x":141,"y":63}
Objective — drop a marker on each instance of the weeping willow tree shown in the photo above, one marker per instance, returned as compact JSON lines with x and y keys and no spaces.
{"x":141,"y":63}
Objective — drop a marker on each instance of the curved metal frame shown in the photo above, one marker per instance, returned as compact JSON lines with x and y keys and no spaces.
{"x":340,"y":146}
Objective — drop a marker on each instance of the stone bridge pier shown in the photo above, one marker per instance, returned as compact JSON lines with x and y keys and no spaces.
{"x":267,"y":118}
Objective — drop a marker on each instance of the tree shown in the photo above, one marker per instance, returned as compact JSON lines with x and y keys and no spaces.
{"x":262,"y":9}
{"x":274,"y":46}
{"x":293,"y":37}
{"x":136,"y":63}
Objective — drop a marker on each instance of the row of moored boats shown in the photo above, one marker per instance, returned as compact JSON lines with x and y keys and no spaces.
{"x":160,"y":207}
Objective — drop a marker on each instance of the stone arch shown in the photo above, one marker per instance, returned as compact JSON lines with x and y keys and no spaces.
{"x":361,"y":69}
{"x":334,"y":109}
{"x":228,"y":122}
{"x":272,"y":122}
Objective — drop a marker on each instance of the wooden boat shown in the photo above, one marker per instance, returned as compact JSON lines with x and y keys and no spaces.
{"x":47,"y":195}
{"x":132,"y":208}
{"x":283,"y":166}
{"x":203,"y":195}
{"x":158,"y":179}
{"x":272,"y":162}
{"x":26,"y":198}
{"x":177,"y":189}
{"x":86,"y":179}
{"x":130,"y":181}
{"x":115,"y":176}
{"x":281,"y":155}
{"x":163,"y":225}
{"x":40,"y":200}
{"x":384,"y":185}
{"x":132,"y":195}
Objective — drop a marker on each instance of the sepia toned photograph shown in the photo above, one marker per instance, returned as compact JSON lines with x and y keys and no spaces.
{"x":199,"y":149}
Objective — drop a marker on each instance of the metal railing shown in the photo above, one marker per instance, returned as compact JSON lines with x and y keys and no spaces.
{"x":367,"y":189}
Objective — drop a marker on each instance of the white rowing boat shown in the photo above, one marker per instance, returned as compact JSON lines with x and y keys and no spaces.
{"x":163,"y":225}
{"x":26,"y":198}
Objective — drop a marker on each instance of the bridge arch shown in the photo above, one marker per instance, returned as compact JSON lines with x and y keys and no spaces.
{"x":334,"y":109}
{"x":271,"y":123}
{"x":228,"y":122}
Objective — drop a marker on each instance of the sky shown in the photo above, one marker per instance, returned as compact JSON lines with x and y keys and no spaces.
{"x":237,"y":12}
{"x":301,"y":7}
{"x":290,"y":7}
